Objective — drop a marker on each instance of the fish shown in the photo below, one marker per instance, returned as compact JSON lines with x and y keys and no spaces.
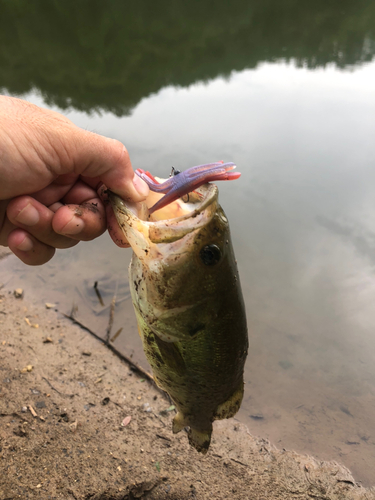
{"x":187,"y":297}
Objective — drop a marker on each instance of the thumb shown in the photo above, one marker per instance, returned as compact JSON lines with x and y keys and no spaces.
{"x":108,"y":160}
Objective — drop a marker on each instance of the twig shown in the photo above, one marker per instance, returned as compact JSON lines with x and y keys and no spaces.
{"x":98,"y":293}
{"x":157,"y":416}
{"x":111,"y":314}
{"x":54,"y":388}
{"x":73,"y":310}
{"x":238,"y":462}
{"x":163,"y":437}
{"x":32,"y":411}
{"x":135,"y":367}
{"x":115,"y":335}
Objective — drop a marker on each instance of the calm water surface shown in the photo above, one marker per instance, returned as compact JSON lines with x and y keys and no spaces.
{"x":302,"y":218}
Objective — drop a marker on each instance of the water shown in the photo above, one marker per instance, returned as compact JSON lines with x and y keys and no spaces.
{"x":287,"y":93}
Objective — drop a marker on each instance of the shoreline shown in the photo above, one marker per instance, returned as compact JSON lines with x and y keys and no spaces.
{"x":65,"y":431}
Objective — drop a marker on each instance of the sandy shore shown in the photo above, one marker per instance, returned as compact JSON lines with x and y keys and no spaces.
{"x":76,"y":422}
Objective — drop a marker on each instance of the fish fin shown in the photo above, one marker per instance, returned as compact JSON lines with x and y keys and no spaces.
{"x":171,"y":355}
{"x":231,"y":406}
{"x":140,"y":332}
{"x":178,"y":423}
{"x":200,"y":439}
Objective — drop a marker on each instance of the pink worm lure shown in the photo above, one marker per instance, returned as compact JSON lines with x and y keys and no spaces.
{"x":187,"y":181}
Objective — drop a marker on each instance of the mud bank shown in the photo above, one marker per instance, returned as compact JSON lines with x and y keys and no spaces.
{"x":78,"y":423}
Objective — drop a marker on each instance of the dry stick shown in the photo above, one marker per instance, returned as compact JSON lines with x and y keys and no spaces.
{"x":115,"y":335}
{"x":32,"y":411}
{"x":98,"y":293}
{"x":125,"y":358}
{"x":54,"y":388}
{"x":111,"y":315}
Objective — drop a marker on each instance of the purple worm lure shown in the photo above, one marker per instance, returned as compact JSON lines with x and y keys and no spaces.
{"x":187,"y":181}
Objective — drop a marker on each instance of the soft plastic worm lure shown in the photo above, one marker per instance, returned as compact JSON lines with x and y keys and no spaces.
{"x":188,"y":180}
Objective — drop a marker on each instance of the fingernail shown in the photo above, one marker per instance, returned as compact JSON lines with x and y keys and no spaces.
{"x":26,"y":245}
{"x":29,"y":216}
{"x":140,"y":186}
{"x":74,"y":226}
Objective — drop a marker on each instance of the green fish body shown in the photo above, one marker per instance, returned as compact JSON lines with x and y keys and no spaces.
{"x":187,"y":298}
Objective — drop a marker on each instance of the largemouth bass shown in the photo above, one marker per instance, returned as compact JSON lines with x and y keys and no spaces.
{"x":187,"y":298}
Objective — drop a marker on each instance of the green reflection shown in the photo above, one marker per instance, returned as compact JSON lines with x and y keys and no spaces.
{"x":93,"y":55}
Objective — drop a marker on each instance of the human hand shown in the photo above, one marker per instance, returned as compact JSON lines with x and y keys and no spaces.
{"x":51,"y":171}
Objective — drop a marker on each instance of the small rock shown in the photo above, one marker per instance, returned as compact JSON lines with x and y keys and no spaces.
{"x":352,"y":441}
{"x":49,"y":305}
{"x":24,"y":409}
{"x":27,"y":368}
{"x":146,"y":407}
{"x":18,"y":293}
{"x":88,"y":406}
{"x":257,"y":416}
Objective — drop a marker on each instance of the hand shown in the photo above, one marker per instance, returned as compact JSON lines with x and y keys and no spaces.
{"x":50,"y":173}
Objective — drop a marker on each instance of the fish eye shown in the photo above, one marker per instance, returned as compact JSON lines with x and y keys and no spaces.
{"x":210,"y":255}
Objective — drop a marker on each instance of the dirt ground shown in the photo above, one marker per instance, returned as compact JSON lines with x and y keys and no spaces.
{"x":76,"y":422}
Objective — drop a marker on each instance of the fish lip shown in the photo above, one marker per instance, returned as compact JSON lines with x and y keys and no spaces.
{"x":126,"y":211}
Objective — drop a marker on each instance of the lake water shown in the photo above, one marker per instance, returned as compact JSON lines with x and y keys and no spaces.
{"x":301,"y":130}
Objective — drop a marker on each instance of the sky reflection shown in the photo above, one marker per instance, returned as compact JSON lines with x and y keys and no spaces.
{"x":303,"y":226}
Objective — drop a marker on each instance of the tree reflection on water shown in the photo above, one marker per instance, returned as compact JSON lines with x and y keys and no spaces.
{"x":95,"y":55}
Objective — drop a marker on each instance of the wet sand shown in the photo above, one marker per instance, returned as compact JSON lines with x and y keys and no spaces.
{"x":76,"y":422}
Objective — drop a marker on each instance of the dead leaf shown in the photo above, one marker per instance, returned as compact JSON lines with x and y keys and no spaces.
{"x":126,"y":421}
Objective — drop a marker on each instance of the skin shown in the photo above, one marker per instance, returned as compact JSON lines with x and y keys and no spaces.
{"x":51,"y":172}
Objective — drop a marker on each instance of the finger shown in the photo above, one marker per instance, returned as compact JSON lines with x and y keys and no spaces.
{"x":29,"y":249}
{"x":82,"y":222}
{"x":56,"y":190}
{"x":108,"y":160}
{"x":28,"y":214}
{"x":113,"y":227}
{"x":79,"y":193}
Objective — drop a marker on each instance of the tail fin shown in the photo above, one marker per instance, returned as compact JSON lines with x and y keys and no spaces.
{"x":200,"y":439}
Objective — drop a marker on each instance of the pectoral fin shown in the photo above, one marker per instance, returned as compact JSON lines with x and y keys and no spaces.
{"x":171,"y":356}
